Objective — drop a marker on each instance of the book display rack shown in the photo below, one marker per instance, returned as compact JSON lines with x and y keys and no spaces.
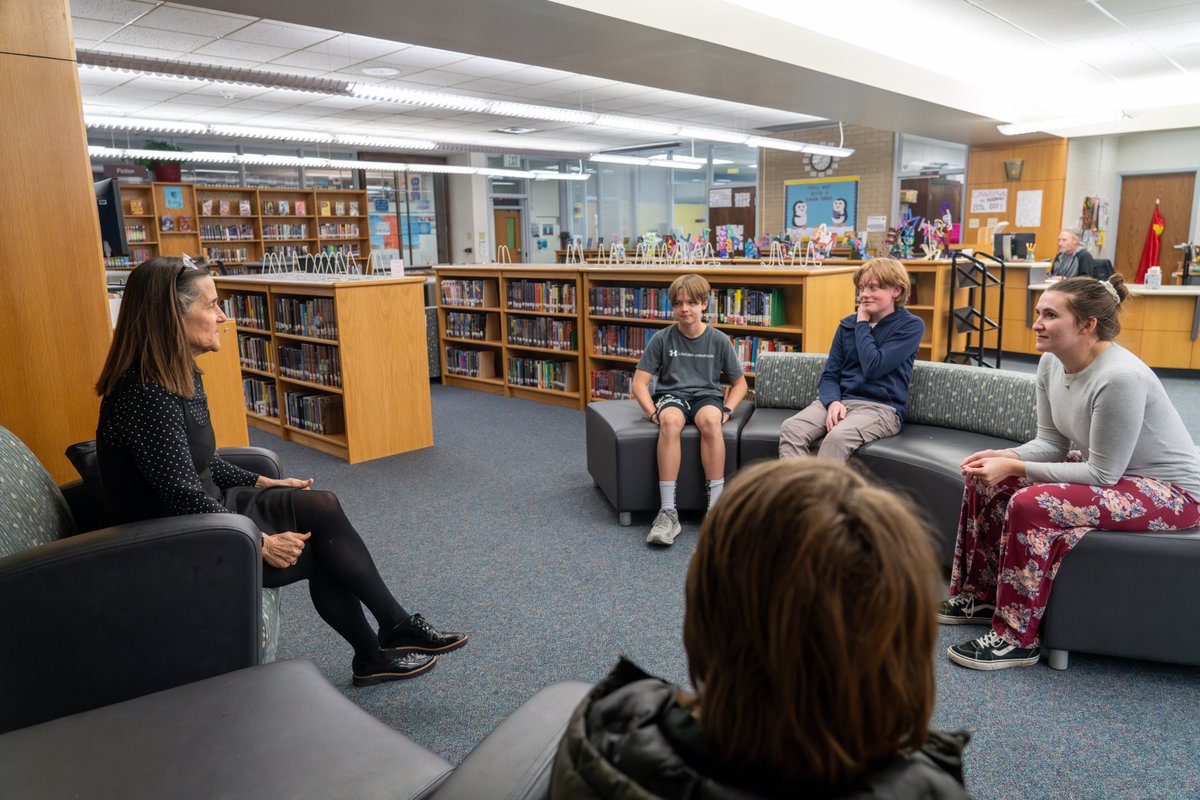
{"x":334,"y":363}
{"x":238,"y":225}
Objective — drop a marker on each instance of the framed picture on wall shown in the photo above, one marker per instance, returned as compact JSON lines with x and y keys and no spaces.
{"x":829,"y":201}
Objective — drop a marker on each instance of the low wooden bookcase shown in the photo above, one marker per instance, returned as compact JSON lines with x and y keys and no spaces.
{"x":352,"y":379}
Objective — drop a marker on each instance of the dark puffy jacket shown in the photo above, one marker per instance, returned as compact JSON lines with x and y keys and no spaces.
{"x":615,"y":748}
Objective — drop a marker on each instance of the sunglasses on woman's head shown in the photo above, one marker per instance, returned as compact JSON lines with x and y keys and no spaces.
{"x":186,"y":265}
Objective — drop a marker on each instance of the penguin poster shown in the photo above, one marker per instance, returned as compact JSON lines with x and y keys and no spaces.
{"x":832,"y":202}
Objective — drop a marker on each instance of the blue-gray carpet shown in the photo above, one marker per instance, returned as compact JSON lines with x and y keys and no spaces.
{"x":498,"y":530}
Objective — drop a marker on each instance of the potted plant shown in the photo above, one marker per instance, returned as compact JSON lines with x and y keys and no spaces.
{"x":164,"y":171}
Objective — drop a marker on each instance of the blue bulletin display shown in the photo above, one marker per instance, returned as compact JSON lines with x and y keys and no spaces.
{"x":811,"y":202}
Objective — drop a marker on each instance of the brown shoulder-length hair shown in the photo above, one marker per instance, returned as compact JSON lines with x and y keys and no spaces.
{"x":1087,"y":298}
{"x":810,"y":623}
{"x":150,"y":331}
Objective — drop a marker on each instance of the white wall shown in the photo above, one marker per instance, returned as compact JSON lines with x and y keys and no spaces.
{"x":543,"y":209}
{"x":1091,"y":172}
{"x":468,"y":212}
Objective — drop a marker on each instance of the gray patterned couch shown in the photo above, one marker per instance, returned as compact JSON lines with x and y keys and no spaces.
{"x":1110,"y":591}
{"x":95,"y":618}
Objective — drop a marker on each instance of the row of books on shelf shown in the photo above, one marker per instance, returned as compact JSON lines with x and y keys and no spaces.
{"x":555,"y":334}
{"x":748,"y":349}
{"x":470,"y":363}
{"x":348,"y":230}
{"x":224,"y":208}
{"x":136,"y":256}
{"x":307,"y":316}
{"x":287,"y":251}
{"x":279,"y":230}
{"x":612,"y":384}
{"x":181,"y":224}
{"x":315,"y":363}
{"x":468,"y":292}
{"x":136,"y":233}
{"x":237,"y":254}
{"x":285,"y":208}
{"x":261,"y":396}
{"x":255,"y":352}
{"x":345,"y":249}
{"x":544,"y":373}
{"x":228,"y":233}
{"x":247,"y":310}
{"x":550,"y":296}
{"x":731,"y":306}
{"x":470,"y":325}
{"x":628,"y":341}
{"x":315,"y":412}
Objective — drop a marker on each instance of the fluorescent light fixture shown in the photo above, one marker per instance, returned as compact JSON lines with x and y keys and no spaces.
{"x":712,"y":134}
{"x":1058,"y":123}
{"x":252,"y":132}
{"x":504,"y":108}
{"x":608,"y":158}
{"x":636,"y":124}
{"x":418,"y":97}
{"x":672,"y":164}
{"x":380,"y":72}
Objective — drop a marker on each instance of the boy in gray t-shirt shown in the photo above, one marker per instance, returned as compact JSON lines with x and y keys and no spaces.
{"x":688,"y":359}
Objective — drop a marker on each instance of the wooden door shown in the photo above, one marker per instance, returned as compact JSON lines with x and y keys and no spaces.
{"x":1173,"y":191}
{"x":508,"y":231}
{"x":735,"y":214}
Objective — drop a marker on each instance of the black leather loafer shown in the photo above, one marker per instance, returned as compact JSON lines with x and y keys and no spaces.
{"x":415,"y":635}
{"x":387,"y":668}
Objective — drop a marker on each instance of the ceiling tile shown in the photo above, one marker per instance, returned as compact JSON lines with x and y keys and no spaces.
{"x":122,"y":11}
{"x":189,"y":20}
{"x":281,"y":35}
{"x":536,"y":93}
{"x":92,"y":30}
{"x":138,"y":96}
{"x":217,"y":61}
{"x":537,"y":75}
{"x":355,"y":71}
{"x":310,"y":59}
{"x":247,"y":51}
{"x":141,"y":36}
{"x":435,"y":77}
{"x":133,"y":50}
{"x":426,"y":57}
{"x":483,"y":67}
{"x":339,"y":103}
{"x":103,"y":77}
{"x":280,"y":69}
{"x":359,"y":48}
{"x":488,"y":85}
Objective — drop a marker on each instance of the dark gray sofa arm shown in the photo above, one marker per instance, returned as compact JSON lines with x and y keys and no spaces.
{"x":513,"y":762}
{"x":124,"y":611}
{"x":256,"y":459}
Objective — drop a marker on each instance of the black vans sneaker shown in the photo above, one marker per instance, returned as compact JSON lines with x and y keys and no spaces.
{"x":991,"y":652}
{"x":963,"y":609}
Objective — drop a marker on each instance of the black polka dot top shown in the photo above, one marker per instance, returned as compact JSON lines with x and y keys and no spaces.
{"x":157,"y":453}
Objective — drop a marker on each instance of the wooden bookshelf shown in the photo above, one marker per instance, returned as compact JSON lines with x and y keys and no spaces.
{"x":141,"y":225}
{"x":372,"y":329}
{"x":285,"y":222}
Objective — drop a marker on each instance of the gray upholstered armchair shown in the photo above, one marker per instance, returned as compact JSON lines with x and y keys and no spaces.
{"x":90,"y":619}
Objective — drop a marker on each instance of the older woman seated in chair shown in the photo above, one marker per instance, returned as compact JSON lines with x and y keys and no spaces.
{"x":809,"y":629}
{"x":157,"y":457}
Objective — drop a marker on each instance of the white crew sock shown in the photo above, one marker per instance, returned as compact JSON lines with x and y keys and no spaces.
{"x":714,"y":490}
{"x":666,"y":490}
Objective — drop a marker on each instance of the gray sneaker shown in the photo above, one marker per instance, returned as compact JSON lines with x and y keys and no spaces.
{"x":665,"y":528}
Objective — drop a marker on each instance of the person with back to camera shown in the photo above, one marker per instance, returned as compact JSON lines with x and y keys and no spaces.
{"x":157,"y":456}
{"x":809,"y":628}
{"x":1072,"y":258}
{"x":1024,"y":509}
{"x":864,"y":387}
{"x":687,"y":358}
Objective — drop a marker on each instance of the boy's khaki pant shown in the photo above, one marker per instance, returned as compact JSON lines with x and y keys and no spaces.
{"x":865,"y":422}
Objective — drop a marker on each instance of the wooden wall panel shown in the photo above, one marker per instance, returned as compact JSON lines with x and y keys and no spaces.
{"x":52,"y":294}
{"x":1045,"y":168}
{"x":1173,"y":191}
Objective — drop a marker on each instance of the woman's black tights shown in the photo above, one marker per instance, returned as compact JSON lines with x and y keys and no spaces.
{"x":341,"y":574}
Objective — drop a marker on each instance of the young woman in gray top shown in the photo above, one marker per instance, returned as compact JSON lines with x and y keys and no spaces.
{"x":1111,"y":453}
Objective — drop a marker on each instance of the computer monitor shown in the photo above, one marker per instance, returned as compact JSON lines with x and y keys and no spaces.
{"x":1022,"y":243}
{"x":112,"y":217}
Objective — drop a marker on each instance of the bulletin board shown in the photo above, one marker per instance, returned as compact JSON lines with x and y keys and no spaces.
{"x":811,"y":202}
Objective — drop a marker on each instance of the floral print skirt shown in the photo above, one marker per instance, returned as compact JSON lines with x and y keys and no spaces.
{"x":1013,"y":536}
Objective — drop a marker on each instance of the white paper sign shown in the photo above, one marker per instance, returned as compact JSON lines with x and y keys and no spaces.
{"x":741,"y":200}
{"x":989,"y":201}
{"x":876,"y":224}
{"x":720,"y":198}
{"x":1029,"y":209}
{"x":397,"y":265}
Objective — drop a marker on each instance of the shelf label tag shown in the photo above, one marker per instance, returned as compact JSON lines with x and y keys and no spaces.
{"x":397,"y":265}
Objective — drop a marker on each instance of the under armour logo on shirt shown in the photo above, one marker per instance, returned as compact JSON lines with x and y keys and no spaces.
{"x":673,"y":353}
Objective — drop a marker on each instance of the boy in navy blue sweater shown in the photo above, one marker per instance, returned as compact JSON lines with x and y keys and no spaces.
{"x":864,"y":387}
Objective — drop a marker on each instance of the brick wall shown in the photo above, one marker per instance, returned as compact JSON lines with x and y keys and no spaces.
{"x":872,"y":162}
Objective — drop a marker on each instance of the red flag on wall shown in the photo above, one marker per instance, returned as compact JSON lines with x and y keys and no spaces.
{"x":1151,"y":247}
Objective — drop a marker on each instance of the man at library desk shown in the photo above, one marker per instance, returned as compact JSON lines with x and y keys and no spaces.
{"x":1072,"y":259}
{"x":157,"y":457}
{"x":688,"y":359}
{"x":864,"y":388}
